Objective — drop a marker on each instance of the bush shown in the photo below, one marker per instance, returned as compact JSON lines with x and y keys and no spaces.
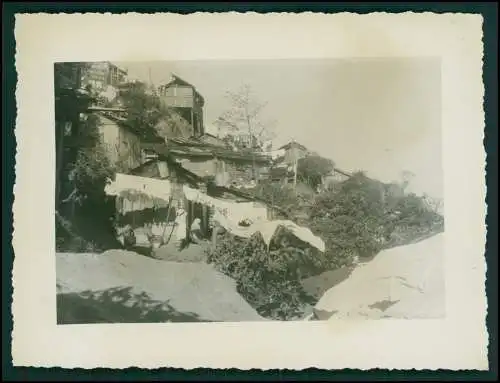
{"x":412,"y":220}
{"x":363,"y":217}
{"x":312,"y":168}
{"x":293,"y":204}
{"x":350,"y":220}
{"x":67,"y":240}
{"x":84,"y":206}
{"x":268,"y":280}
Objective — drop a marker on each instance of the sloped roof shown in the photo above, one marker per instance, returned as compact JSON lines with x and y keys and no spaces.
{"x":177,"y":80}
{"x":293,"y":144}
{"x":207,"y":136}
{"x":198,"y":141}
{"x":203,"y":150}
{"x":142,"y":134}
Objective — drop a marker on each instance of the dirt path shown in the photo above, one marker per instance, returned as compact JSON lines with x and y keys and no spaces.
{"x":192,"y":253}
{"x":119,"y":286}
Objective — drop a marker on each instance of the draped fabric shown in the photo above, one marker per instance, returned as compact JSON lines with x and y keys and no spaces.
{"x":230,"y":215}
{"x":139,"y":193}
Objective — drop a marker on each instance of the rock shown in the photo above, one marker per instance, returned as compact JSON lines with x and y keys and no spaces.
{"x":402,"y":282}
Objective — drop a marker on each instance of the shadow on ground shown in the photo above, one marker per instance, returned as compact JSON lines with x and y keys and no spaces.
{"x":317,"y":285}
{"x":117,"y":305}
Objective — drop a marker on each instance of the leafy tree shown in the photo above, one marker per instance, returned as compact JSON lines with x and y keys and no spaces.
{"x":279,"y":195}
{"x":143,"y":109}
{"x":313,"y":168}
{"x":148,"y":115}
{"x":362,"y":217}
{"x":172,"y":124}
{"x":92,"y":167}
{"x":85,"y":165}
{"x":350,"y":220}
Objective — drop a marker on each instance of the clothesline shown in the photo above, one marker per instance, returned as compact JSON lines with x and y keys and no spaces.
{"x":228,"y":214}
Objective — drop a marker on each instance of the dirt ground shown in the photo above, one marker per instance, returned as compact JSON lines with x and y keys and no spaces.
{"x":120,"y":286}
{"x":402,"y":282}
{"x":192,"y":253}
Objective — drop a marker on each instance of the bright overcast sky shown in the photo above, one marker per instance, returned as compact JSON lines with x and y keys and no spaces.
{"x":382,"y":116}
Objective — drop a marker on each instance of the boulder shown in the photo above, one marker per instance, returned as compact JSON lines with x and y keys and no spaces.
{"x":402,"y":282}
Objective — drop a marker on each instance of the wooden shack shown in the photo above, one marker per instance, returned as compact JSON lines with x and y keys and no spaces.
{"x":212,"y":167}
{"x":186,"y":100}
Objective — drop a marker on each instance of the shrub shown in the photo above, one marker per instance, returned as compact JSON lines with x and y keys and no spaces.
{"x":67,"y":240}
{"x":267,"y":279}
{"x":350,"y":220}
{"x":412,"y":219}
{"x":84,"y":204}
{"x":362,"y":216}
{"x":293,"y":204}
{"x":313,"y":168}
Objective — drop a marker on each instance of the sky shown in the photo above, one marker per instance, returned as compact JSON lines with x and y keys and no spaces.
{"x":382,"y":116}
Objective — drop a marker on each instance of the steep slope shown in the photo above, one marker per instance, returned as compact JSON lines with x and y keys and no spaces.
{"x":402,"y":282}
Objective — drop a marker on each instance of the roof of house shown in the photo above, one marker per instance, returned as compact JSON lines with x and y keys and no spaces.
{"x":105,"y":109}
{"x":194,"y":180}
{"x":202,"y":150}
{"x":344,"y":173}
{"x":121,"y":122}
{"x":198,"y":141}
{"x":209,"y":135}
{"x":191,"y":178}
{"x":293,"y":144}
{"x":118,"y":67}
{"x":177,"y":80}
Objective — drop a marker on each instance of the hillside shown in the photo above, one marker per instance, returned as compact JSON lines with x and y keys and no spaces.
{"x":402,"y":282}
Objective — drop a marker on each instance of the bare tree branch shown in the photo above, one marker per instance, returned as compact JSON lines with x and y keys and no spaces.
{"x":243,"y":118}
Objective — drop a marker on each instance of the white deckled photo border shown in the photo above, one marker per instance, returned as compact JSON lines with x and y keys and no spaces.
{"x":457,"y":342}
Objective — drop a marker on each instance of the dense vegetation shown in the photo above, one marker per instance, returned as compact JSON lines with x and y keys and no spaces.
{"x":84,"y":219}
{"x":311,"y":169}
{"x":84,"y":215}
{"x":358,"y":219}
{"x":267,"y":278}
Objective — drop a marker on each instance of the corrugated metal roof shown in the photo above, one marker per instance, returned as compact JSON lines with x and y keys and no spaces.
{"x":207,"y":151}
{"x":197,"y":141}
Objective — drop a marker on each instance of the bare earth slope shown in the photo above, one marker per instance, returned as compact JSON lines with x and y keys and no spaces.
{"x":402,"y":282}
{"x":119,"y":287}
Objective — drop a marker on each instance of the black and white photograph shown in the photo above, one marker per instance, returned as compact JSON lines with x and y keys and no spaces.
{"x":250,"y":191}
{"x":206,"y":191}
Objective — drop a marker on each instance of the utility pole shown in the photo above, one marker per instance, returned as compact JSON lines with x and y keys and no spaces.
{"x":295,"y":174}
{"x":295,"y":165}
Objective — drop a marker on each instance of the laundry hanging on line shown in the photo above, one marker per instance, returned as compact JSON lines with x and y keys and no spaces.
{"x":230,"y":214}
{"x":154,"y":188}
{"x":233,"y":211}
